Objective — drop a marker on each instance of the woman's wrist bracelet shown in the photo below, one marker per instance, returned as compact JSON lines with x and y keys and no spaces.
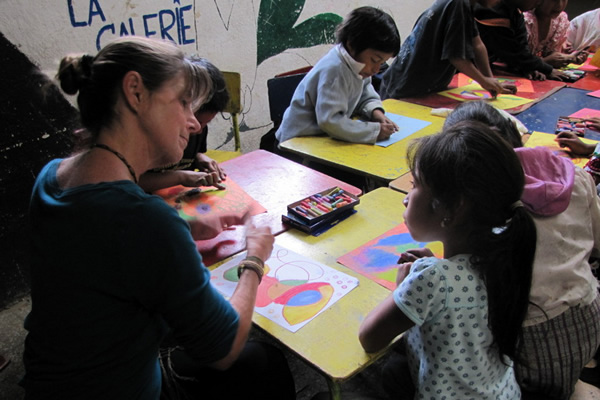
{"x":256,"y":260}
{"x":252,"y":265}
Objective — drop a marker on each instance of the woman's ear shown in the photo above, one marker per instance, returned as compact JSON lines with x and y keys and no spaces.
{"x":133,"y":90}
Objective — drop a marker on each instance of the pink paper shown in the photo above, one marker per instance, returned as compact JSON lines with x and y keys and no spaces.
{"x":595,"y":94}
{"x":586,"y":113}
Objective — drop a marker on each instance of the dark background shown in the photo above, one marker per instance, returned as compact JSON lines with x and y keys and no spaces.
{"x":35,"y":126}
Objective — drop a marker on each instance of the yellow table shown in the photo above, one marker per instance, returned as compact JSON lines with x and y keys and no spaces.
{"x":382,"y":164}
{"x":330,"y":342}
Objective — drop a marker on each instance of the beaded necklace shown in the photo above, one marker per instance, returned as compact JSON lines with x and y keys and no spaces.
{"x":119,"y":155}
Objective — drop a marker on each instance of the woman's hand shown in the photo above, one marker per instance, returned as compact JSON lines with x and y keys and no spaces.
{"x":211,"y":225}
{"x":259,"y":241}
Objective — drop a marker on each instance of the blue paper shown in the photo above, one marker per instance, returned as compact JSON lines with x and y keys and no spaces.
{"x":407,"y":126}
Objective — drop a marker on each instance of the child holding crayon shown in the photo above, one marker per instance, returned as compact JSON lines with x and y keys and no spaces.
{"x":339,"y":86}
{"x":443,"y":41}
{"x":462,"y":314}
{"x":547,"y":27}
{"x":502,"y":28}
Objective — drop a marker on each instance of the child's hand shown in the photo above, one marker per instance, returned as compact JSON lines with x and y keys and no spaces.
{"x":207,"y":164}
{"x":558,"y":60}
{"x":536,"y":76}
{"x":593,"y":123}
{"x":386,"y":130}
{"x":414,"y":254}
{"x":379,"y":116}
{"x":572,"y":142}
{"x":195,"y":179}
{"x":580,"y":57}
{"x":403,"y":271}
{"x":558,"y":75}
{"x":495,"y":88}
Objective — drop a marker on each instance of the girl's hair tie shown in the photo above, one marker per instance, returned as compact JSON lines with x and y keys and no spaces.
{"x":516,"y":205}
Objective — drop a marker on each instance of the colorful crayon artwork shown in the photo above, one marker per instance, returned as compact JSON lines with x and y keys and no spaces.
{"x":523,"y":85}
{"x":475,"y":92}
{"x":294,"y":289}
{"x":549,"y":140}
{"x":193,"y":202}
{"x":378,"y":258}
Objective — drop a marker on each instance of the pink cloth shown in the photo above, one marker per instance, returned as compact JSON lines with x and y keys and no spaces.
{"x":557,"y":34}
{"x":548,"y":180}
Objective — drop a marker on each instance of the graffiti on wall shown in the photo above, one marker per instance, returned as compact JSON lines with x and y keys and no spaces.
{"x":276,"y":30}
{"x":175,"y":24}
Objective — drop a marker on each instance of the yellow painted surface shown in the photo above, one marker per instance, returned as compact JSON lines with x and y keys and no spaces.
{"x":402,"y":184}
{"x":330,"y":341}
{"x":222,"y":155}
{"x":548,"y":140}
{"x":384,"y":163}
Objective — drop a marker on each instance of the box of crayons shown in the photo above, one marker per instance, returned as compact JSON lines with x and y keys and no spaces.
{"x":325,"y":205}
{"x":576,"y":125}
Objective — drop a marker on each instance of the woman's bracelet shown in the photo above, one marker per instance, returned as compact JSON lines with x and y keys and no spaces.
{"x":249,"y":263}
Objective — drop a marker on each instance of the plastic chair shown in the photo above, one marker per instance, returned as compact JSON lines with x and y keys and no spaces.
{"x":234,"y":108}
{"x":281,"y":90}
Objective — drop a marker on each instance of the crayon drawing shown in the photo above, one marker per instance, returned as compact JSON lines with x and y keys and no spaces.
{"x":549,"y":140}
{"x":475,"y":92}
{"x":193,"y":202}
{"x":294,"y":289}
{"x":407,"y":126}
{"x":523,"y":85}
{"x":378,"y":259}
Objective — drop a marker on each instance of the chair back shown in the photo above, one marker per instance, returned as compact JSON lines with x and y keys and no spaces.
{"x":281,"y":90}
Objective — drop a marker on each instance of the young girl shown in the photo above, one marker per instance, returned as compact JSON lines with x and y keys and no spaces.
{"x":547,"y":27}
{"x":561,"y":331}
{"x":462,"y":314}
{"x":339,"y":86}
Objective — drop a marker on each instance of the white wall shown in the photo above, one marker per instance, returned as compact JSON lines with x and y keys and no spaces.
{"x":224,"y":31}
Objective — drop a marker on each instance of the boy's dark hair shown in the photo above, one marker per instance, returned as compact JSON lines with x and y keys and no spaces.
{"x":483,"y":112}
{"x":469,"y":168}
{"x":369,"y":28}
{"x":220,"y":96}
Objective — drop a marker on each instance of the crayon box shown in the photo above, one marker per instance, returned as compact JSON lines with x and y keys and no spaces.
{"x":573,"y":124}
{"x":325,"y":205}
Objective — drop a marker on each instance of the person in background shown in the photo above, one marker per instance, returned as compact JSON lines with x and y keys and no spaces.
{"x":443,"y":41}
{"x":584,"y":31}
{"x":115,"y":270}
{"x":339,"y":86}
{"x":561,"y":331}
{"x":502,"y":28}
{"x":462,"y":314}
{"x":547,"y":27}
{"x":195,"y":168}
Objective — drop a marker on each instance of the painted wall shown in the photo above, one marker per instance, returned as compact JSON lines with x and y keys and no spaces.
{"x":258,"y":38}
